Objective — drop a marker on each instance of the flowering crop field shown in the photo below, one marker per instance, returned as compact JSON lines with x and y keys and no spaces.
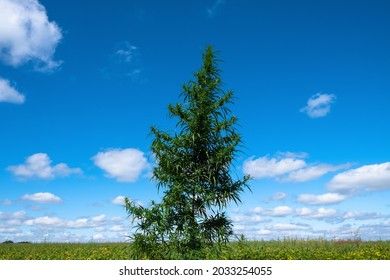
{"x":245,"y":250}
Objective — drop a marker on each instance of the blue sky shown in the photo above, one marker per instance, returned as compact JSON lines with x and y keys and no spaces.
{"x":81,"y":82}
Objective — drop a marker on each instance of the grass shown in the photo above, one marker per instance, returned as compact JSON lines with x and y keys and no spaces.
{"x":289,"y":249}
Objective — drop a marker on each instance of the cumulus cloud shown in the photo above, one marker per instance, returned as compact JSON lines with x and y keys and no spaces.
{"x":58,"y":229}
{"x":327,"y":198}
{"x":13,"y":215}
{"x":9,"y":93}
{"x":289,"y":227}
{"x":117,"y":228}
{"x":98,"y":219}
{"x":119,"y":200}
{"x":287,"y":167}
{"x":277,"y":211}
{"x":42,"y":197}
{"x":318,"y":105}
{"x":248,"y":219}
{"x":27,"y":35}
{"x":373,"y":177}
{"x":45,"y":221}
{"x":281,"y":211}
{"x":319,"y":214}
{"x":55,"y":222}
{"x":98,"y":236}
{"x":39,"y":166}
{"x":313,"y":172}
{"x":265,"y":167}
{"x":124,"y":165}
{"x":264,"y":232}
{"x":7,"y":230}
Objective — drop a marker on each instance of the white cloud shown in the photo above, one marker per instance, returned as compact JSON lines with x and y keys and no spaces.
{"x":14,"y":222}
{"x":318,"y":105}
{"x":119,"y":200}
{"x":289,"y":227}
{"x":257,"y":210}
{"x":7,"y":230}
{"x":320,"y":214}
{"x":126,"y":52}
{"x":98,"y":219}
{"x":277,"y":212}
{"x":357,"y":215}
{"x":287,"y":167}
{"x":79,"y":223}
{"x":99,"y":229}
{"x":6,"y":202}
{"x":266,"y":167}
{"x":292,"y":154}
{"x":45,"y":221}
{"x":98,"y":236}
{"x":281,"y":211}
{"x":247,"y":219}
{"x":39,"y":166}
{"x":19,"y":214}
{"x":123,"y":165}
{"x":10,"y":94}
{"x":117,"y":219}
{"x":54,"y":222}
{"x":13,"y":215}
{"x":117,"y":228}
{"x":373,"y":177}
{"x":312,"y":172}
{"x":58,"y":229}
{"x":124,"y":62}
{"x":278,"y":196}
{"x":264,"y":232}
{"x":26,"y":34}
{"x":42,"y":197}
{"x":327,"y":198}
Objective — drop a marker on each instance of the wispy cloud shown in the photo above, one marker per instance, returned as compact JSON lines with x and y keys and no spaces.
{"x":6,"y":202}
{"x":278,"y":196}
{"x":212,"y":11}
{"x":125,"y":52}
{"x":9,"y":93}
{"x":27,"y":35}
{"x":124,"y":165}
{"x":42,"y":197}
{"x":318,"y":105}
{"x":39,"y":166}
{"x":124,"y":62}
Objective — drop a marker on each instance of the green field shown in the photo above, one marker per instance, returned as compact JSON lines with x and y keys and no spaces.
{"x":245,"y":250}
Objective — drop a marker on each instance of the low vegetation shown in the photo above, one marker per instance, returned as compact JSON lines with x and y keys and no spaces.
{"x":289,"y":249}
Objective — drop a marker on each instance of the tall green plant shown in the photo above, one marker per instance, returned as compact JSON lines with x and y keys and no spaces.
{"x":194,"y":172}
